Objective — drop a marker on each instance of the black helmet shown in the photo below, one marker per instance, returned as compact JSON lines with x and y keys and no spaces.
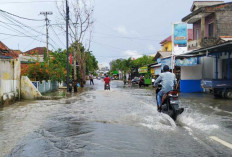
{"x":166,"y":68}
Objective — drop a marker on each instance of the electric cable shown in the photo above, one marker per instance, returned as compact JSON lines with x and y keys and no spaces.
{"x":20,"y":16}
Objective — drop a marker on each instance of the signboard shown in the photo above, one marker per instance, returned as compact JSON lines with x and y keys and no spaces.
{"x":115,"y":72}
{"x":187,"y":61}
{"x":143,"y":70}
{"x":180,"y":38}
{"x":152,"y":71}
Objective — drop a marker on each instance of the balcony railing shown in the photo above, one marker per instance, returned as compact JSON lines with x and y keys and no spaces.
{"x":201,"y":43}
{"x":208,"y":41}
{"x":194,"y":44}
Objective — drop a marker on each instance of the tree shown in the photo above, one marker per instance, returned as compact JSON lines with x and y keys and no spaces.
{"x":91,"y":63}
{"x":125,"y":65}
{"x":55,"y":70}
{"x":143,"y":61}
{"x":80,"y":25}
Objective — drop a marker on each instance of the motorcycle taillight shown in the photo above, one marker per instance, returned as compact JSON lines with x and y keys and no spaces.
{"x":173,"y":93}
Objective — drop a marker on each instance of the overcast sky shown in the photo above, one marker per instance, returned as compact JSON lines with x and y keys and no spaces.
{"x":122,"y":28}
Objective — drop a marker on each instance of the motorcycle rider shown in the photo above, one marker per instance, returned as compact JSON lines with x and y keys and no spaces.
{"x":107,"y":80}
{"x":168,"y":81}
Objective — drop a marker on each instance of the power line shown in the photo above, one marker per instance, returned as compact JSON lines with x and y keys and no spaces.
{"x":11,"y":19}
{"x":57,"y":36}
{"x":30,"y":2}
{"x":18,"y":25}
{"x":20,"y":16}
{"x":18,"y":35}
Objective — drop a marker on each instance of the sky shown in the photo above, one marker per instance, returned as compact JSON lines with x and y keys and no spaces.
{"x":122,"y":28}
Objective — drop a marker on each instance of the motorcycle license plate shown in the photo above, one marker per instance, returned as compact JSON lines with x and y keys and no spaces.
{"x":174,"y":101}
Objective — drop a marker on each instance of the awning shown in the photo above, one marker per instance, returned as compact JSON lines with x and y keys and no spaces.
{"x":157,"y":65}
{"x":224,"y":47}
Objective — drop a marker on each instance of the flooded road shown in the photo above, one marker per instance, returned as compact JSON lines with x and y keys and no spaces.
{"x":122,"y":122}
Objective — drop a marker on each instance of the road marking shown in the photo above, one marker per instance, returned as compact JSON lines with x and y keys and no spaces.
{"x":229,"y":145}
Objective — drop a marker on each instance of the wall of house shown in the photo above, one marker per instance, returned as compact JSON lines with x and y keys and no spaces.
{"x":9,"y":80}
{"x":168,"y":45}
{"x":208,"y":20}
{"x":197,"y":25}
{"x":224,"y":25}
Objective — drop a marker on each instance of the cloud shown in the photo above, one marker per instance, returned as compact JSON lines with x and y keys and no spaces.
{"x":132,"y":53}
{"x":151,"y":48}
{"x":121,"y":30}
{"x":124,"y":31}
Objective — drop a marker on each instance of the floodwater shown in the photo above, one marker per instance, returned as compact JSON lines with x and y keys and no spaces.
{"x":122,"y":122}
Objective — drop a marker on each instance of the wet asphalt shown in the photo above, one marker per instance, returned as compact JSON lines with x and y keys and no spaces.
{"x":122,"y":122}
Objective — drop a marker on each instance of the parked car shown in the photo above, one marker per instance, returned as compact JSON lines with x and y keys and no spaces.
{"x":135,"y":80}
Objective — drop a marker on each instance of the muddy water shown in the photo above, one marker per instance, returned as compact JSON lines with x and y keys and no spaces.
{"x":120,"y":122}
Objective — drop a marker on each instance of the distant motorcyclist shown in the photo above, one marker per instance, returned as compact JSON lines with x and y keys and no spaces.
{"x":141,"y":81}
{"x":168,"y":81}
{"x":107,"y":80}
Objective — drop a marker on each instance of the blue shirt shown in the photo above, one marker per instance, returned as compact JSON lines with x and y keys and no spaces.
{"x":168,"y":80}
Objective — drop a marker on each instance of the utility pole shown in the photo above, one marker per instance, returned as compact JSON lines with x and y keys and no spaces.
{"x":46,"y":13}
{"x":67,"y":20}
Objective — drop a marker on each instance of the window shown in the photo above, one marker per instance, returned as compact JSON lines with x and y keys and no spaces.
{"x":211,"y":25}
{"x":197,"y":34}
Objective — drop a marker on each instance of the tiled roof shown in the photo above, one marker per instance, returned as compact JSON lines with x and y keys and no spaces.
{"x":161,"y":54}
{"x":5,"y":52}
{"x":169,"y":39}
{"x":37,"y":50}
{"x":3,"y":47}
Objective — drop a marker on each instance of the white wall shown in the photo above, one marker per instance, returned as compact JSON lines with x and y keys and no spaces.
{"x":9,"y":78}
{"x":191,"y":72}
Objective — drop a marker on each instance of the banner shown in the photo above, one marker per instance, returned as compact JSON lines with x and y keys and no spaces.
{"x":187,"y":61}
{"x":70,"y":58}
{"x":180,"y":38}
{"x":143,"y":70}
{"x":152,"y":71}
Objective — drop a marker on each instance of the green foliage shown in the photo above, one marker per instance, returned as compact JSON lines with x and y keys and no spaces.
{"x":53,"y":68}
{"x":91,"y":63}
{"x":142,"y":61}
{"x":125,"y":65}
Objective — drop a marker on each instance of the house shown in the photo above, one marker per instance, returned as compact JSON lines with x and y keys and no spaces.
{"x":9,"y":75}
{"x":34,"y":54}
{"x":210,"y":57}
{"x":30,"y":56}
{"x":211,"y":22}
{"x":6,"y":53}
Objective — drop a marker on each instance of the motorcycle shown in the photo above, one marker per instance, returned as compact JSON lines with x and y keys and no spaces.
{"x":107,"y":86}
{"x":170,"y":103}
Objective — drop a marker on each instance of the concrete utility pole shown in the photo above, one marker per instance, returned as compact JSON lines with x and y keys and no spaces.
{"x":67,"y":20}
{"x":46,"y":13}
